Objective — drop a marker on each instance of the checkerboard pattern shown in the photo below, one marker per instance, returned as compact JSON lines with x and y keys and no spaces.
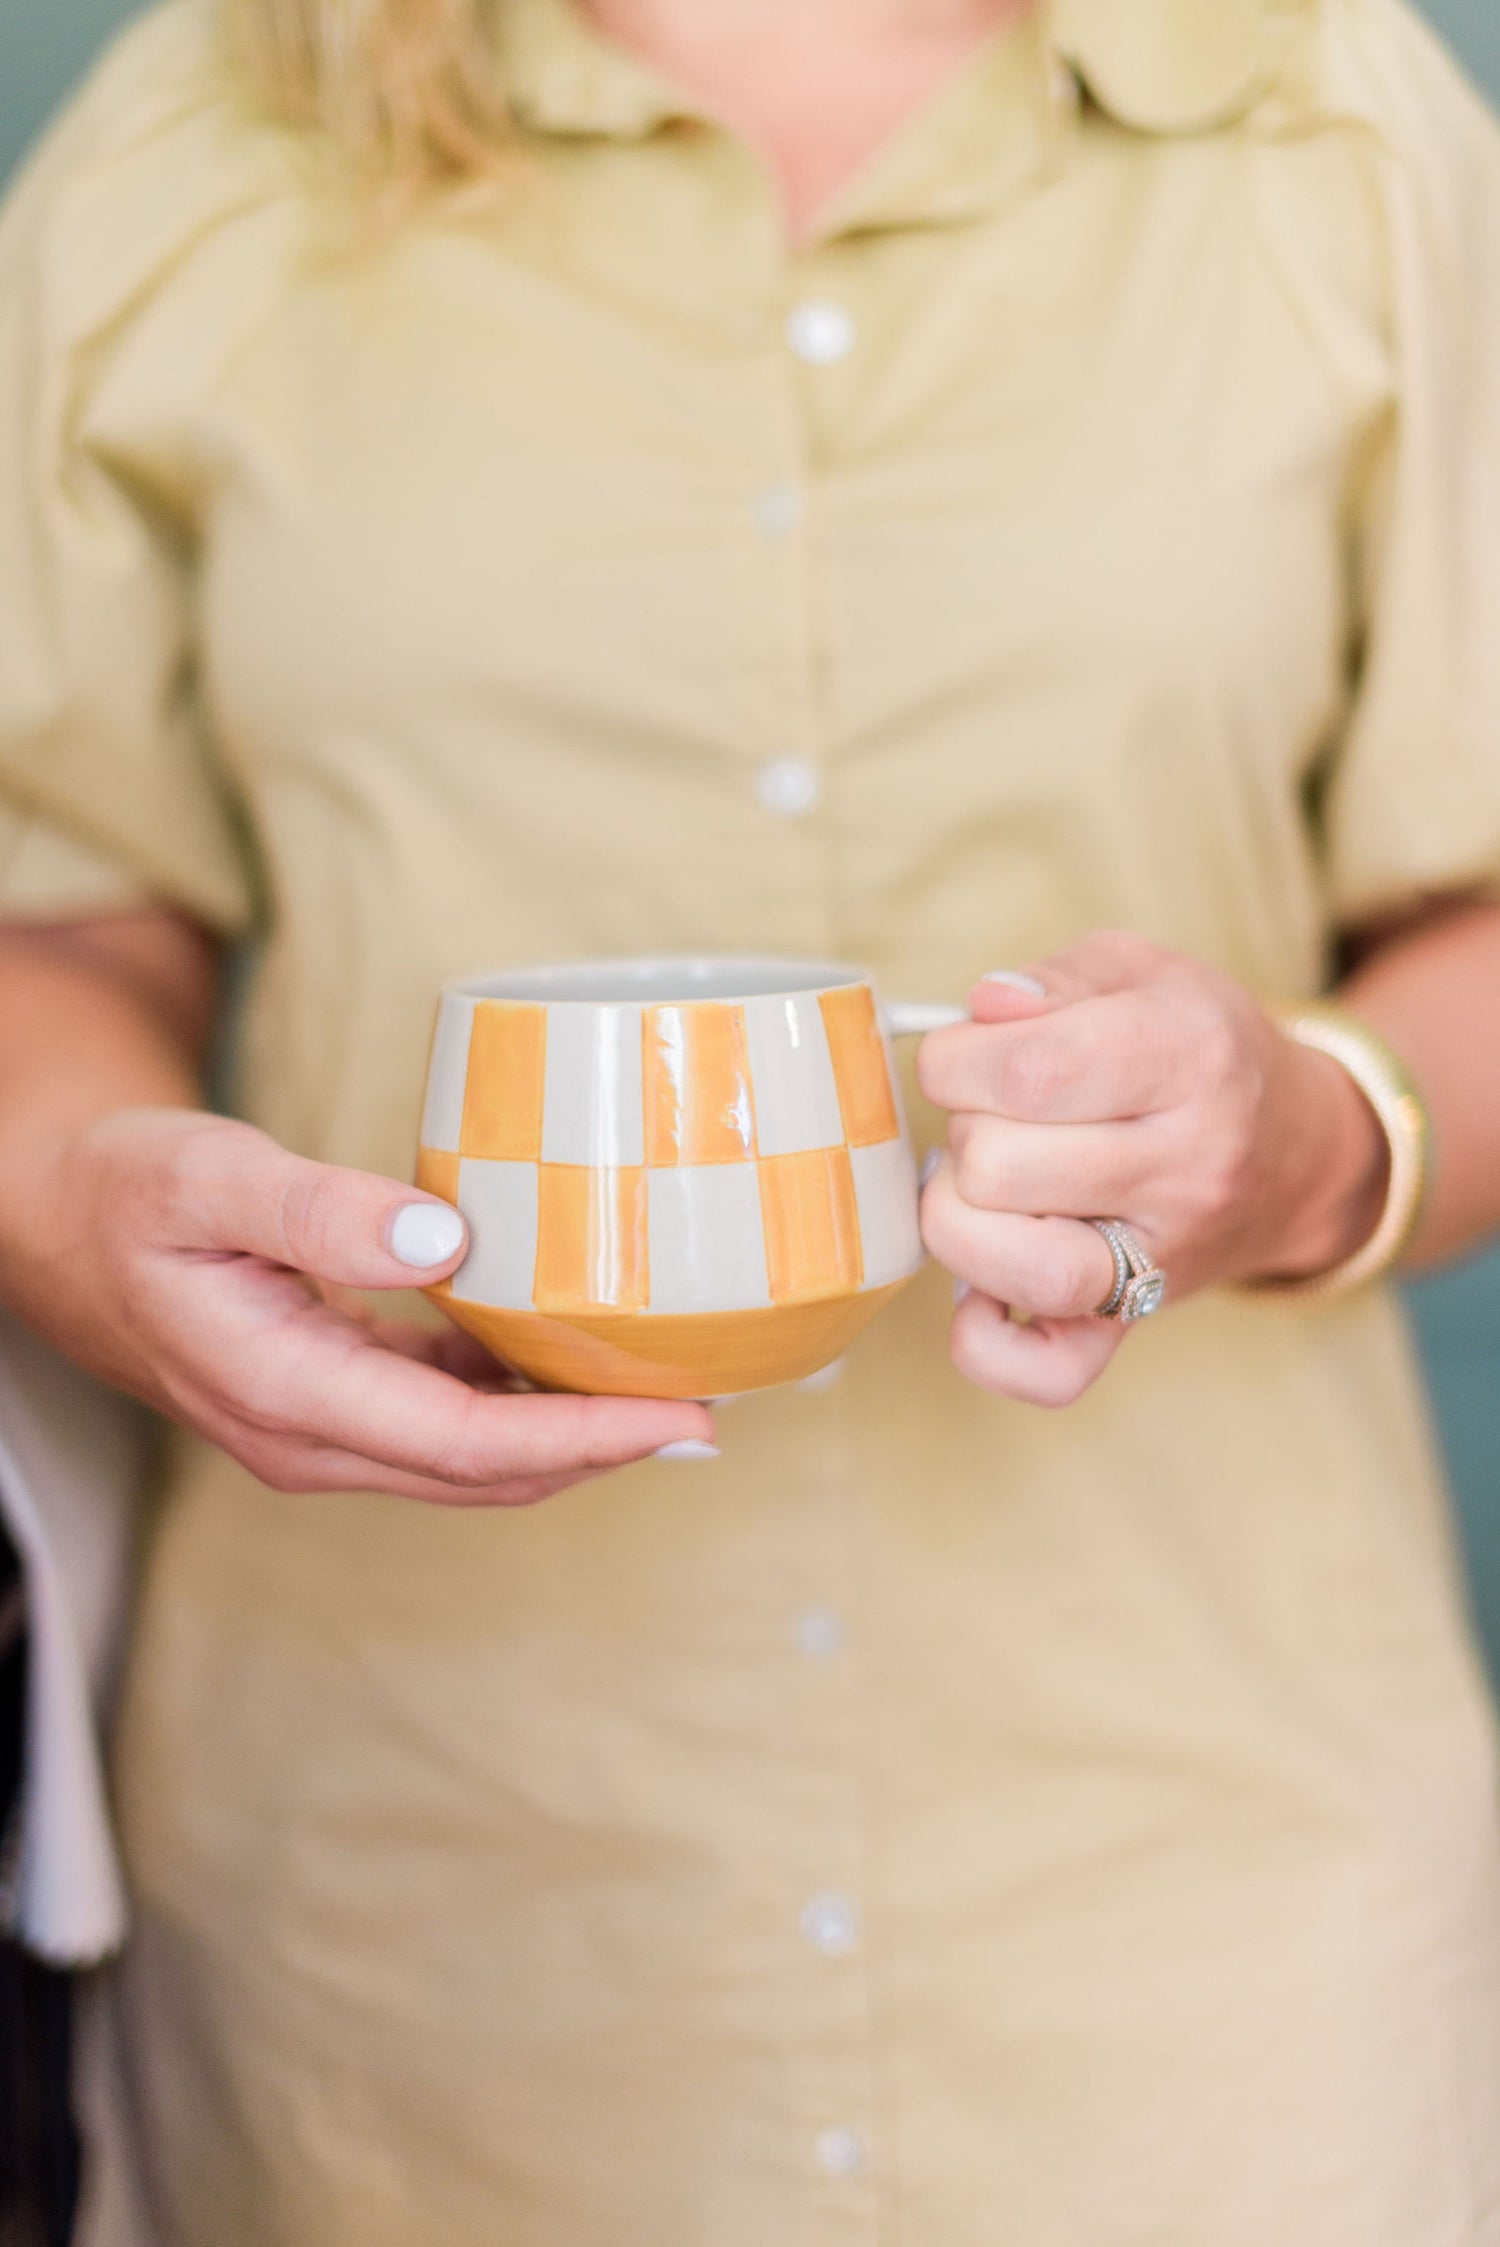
{"x":670,"y":1159}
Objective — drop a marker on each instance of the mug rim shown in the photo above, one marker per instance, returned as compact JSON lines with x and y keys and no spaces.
{"x":663,"y":979}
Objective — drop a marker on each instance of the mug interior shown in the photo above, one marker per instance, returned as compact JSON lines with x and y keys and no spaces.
{"x":660,"y":982}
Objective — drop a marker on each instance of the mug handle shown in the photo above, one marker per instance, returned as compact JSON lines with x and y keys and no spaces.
{"x":913,"y":1018}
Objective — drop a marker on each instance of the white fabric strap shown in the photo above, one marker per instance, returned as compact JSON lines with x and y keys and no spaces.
{"x":70,"y":1464}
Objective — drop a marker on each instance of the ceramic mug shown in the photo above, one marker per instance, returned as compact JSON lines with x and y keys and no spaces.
{"x":682,"y":1178}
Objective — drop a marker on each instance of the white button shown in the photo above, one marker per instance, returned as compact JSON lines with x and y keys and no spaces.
{"x":820,"y":333}
{"x":779,"y":510}
{"x":842,"y":2152}
{"x":826,"y":1377}
{"x":820,"y":1634}
{"x":828,"y":1923}
{"x":788,"y":786}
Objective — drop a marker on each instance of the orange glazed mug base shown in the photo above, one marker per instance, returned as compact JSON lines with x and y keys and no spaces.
{"x":643,"y":1354}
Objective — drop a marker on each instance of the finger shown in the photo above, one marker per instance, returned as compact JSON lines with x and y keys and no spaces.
{"x":1055,"y":1170}
{"x":308,"y":1467}
{"x":1048,"y":1363}
{"x":1099,"y":962}
{"x":1100,"y":1060}
{"x":229,"y":1187}
{"x":453,"y":1351}
{"x":1009,"y":995}
{"x":303,"y":1371}
{"x":444,"y":1345}
{"x":449,"y":1350}
{"x":1048,"y":1267}
{"x":426,"y":1423}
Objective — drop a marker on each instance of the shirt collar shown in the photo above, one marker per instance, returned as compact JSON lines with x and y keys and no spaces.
{"x":563,"y":76}
{"x":989,"y":131}
{"x":1178,"y":66}
{"x":1164,"y":66}
{"x":1000,"y":125}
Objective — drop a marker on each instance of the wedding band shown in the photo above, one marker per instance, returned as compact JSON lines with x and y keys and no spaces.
{"x":1139,"y":1284}
{"x":1109,"y":1308}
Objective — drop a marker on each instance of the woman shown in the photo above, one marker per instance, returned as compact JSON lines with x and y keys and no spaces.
{"x":905,"y":482}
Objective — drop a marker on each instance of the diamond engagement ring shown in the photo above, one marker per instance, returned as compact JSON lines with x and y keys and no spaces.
{"x":1139,"y":1284}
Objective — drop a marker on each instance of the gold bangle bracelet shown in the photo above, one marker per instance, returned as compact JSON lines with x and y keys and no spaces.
{"x":1388,"y":1087}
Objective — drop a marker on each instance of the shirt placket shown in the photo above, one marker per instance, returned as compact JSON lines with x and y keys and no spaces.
{"x":809,"y":348}
{"x":801,"y":333}
{"x":828,"y":1885}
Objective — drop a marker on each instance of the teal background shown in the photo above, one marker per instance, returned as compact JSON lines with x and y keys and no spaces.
{"x":43,"y":46}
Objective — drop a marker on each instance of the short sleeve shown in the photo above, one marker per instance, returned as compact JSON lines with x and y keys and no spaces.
{"x":110,"y":790}
{"x":1412,"y":801}
{"x":47,"y":874}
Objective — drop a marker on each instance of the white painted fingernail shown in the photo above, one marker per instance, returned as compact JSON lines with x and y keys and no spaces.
{"x":423,"y":1234}
{"x":930,"y":1162}
{"x":691,"y":1447}
{"x":961,"y":1292}
{"x":1016,"y":981}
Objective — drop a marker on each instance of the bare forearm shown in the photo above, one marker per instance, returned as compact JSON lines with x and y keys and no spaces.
{"x":1432,"y":990}
{"x":94,"y":1018}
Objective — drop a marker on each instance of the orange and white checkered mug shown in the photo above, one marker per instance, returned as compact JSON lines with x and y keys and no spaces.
{"x":682,"y":1178}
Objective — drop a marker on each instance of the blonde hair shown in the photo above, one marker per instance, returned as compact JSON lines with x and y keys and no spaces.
{"x":408,"y":88}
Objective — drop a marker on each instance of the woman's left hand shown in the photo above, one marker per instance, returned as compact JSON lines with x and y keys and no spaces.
{"x":1141,"y":1086}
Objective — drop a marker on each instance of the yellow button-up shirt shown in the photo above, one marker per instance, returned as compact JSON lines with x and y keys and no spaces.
{"x":932,"y":1823}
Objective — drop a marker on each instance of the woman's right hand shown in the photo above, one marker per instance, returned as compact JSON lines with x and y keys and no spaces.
{"x":194,"y":1263}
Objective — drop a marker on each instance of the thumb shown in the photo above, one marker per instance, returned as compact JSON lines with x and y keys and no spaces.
{"x":235,"y":1188}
